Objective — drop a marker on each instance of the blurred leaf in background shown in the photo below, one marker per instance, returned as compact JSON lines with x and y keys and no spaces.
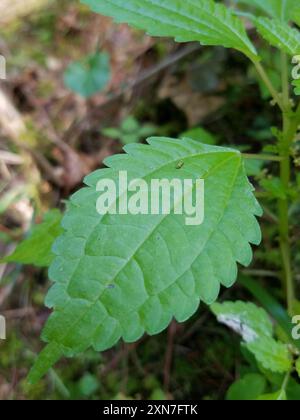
{"x":130,"y":131}
{"x":248,"y":388}
{"x":89,"y":75}
{"x":36,"y":249}
{"x":201,"y":135}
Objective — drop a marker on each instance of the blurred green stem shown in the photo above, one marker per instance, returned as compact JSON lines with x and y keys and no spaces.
{"x":291,"y":121}
{"x":270,"y":158}
{"x":265,"y":78}
{"x":290,"y":126}
{"x":285,"y":83}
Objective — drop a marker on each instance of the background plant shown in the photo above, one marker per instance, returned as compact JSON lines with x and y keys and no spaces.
{"x":89,"y":75}
{"x":130,"y":131}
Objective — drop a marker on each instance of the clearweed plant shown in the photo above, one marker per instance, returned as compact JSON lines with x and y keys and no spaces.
{"x":120,"y":275}
{"x":89,"y":75}
{"x":130,"y":131}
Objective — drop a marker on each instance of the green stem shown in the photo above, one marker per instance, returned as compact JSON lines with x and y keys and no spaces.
{"x":285,"y":82}
{"x":291,"y":121}
{"x":265,"y":78}
{"x":270,"y":158}
{"x":290,"y":126}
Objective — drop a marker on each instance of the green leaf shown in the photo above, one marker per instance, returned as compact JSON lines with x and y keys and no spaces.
{"x":276,"y":396}
{"x":113,"y":133}
{"x":36,"y":249}
{"x":200,"y":134}
{"x":248,"y":388}
{"x":88,"y":385}
{"x":88,"y":76}
{"x":279,"y":34}
{"x":158,"y":395}
{"x":253,"y":167}
{"x":272,"y":354}
{"x":280,"y":9}
{"x":147,"y":130}
{"x":273,"y":307}
{"x":131,"y":131}
{"x":129,"y":138}
{"x":275,"y":187}
{"x":130,"y":125}
{"x":205,"y":21}
{"x":254,"y":325}
{"x":118,"y":276}
{"x":245,"y":318}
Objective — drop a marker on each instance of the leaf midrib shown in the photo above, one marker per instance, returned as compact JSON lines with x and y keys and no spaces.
{"x":93,"y":303}
{"x":150,"y":174}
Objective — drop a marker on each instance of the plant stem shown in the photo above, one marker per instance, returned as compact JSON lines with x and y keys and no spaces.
{"x":291,"y":121}
{"x":285,"y":82}
{"x":270,"y":158}
{"x":290,"y":126}
{"x":276,"y":96}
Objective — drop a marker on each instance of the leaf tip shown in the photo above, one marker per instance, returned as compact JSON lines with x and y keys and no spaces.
{"x":45,"y":360}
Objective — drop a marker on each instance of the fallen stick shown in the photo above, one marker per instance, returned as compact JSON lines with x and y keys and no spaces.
{"x":11,"y":10}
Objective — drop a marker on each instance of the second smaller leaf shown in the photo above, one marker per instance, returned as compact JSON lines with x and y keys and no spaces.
{"x":36,"y":249}
{"x":279,"y":34}
{"x":254,"y":325}
{"x":273,"y":355}
{"x":89,"y":75}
